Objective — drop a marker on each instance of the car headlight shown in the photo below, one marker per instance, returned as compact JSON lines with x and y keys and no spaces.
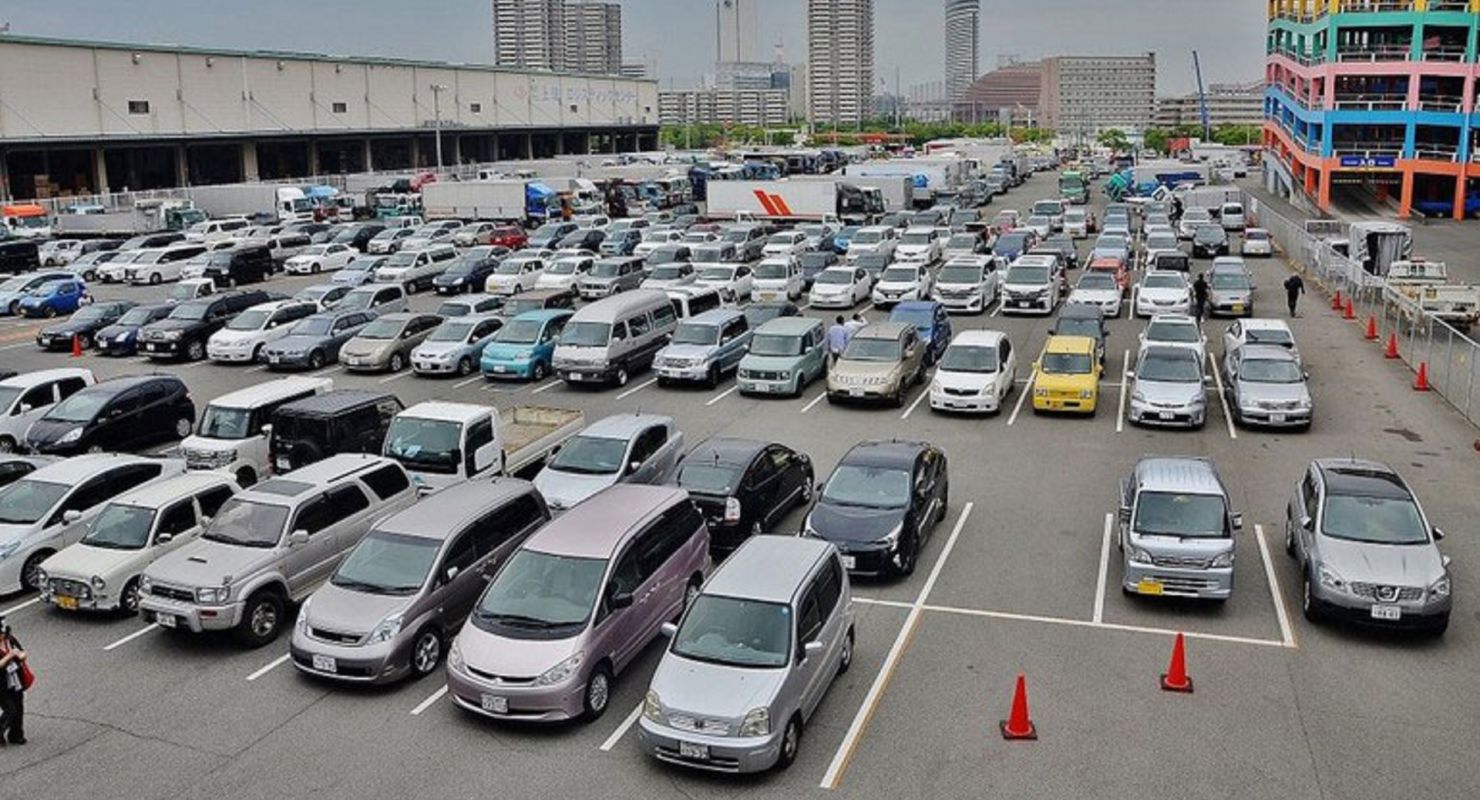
{"x":1137,"y":555}
{"x":652,"y":706}
{"x":1440,"y":588}
{"x":561,"y":672}
{"x":70,"y":436}
{"x":1222,"y":560}
{"x":300,"y":624}
{"x":1137,"y":397}
{"x":757,"y":722}
{"x":217,"y":594}
{"x":1085,"y":394}
{"x":388,"y":628}
{"x":457,"y":281}
{"x":455,"y":657}
{"x":892,"y":537}
{"x":96,"y":581}
{"x":1040,"y":392}
{"x":121,"y":338}
{"x":172,"y":335}
{"x":1329,"y":578}
{"x":145,"y":584}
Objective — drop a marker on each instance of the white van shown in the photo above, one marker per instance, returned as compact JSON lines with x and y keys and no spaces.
{"x":1233,"y":216}
{"x":235,"y":428}
{"x":777,"y":278}
{"x":608,"y":340}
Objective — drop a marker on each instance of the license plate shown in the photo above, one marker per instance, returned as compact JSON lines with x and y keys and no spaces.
{"x":284,"y":464}
{"x":855,"y":392}
{"x":151,"y":348}
{"x":1164,"y":415}
{"x":1390,"y":613}
{"x":576,"y":376}
{"x":68,"y":603}
{"x":694,"y":751}
{"x":495,"y":705}
{"x":275,"y":359}
{"x":325,"y":664}
{"x":1276,"y":417}
{"x":165,"y":620}
{"x":1238,"y":308}
{"x":500,"y":368}
{"x":1147,"y":586}
{"x":1019,"y":304}
{"x":850,"y":562}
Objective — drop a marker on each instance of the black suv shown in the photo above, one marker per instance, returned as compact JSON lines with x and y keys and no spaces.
{"x":184,"y":332}
{"x":344,"y":421}
{"x":245,"y":264}
{"x":18,"y":257}
{"x":121,"y":415}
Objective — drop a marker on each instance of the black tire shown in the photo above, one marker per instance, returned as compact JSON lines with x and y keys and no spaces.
{"x":1310,"y":606}
{"x":48,"y":312}
{"x":316,"y":359}
{"x":262,"y":619}
{"x":1289,"y":539}
{"x":246,"y":477}
{"x":712,"y":379}
{"x":316,"y":268}
{"x":128,"y":599}
{"x":31,"y":570}
{"x":84,"y":341}
{"x":398,"y":363}
{"x":909,"y":556}
{"x":7,"y":444}
{"x":538,"y":371}
{"x":464,"y":366}
{"x":847,"y":660}
{"x":15,"y":308}
{"x":195,"y":351}
{"x":426,"y":652}
{"x":257,"y":353}
{"x":622,"y":376}
{"x":791,"y":740}
{"x":597,"y":695}
{"x":155,"y":279}
{"x":183,"y":424}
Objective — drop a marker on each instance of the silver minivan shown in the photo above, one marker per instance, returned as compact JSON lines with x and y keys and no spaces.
{"x":610,"y":339}
{"x":752,"y":658}
{"x":1176,"y":529}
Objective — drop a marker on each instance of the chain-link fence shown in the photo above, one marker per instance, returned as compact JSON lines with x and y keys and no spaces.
{"x":1446,"y":358}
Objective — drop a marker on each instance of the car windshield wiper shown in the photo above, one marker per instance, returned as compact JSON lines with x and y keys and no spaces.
{"x":519,"y":620}
{"x":351,"y":583}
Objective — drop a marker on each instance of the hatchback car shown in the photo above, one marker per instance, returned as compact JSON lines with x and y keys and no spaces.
{"x":1176,"y":530}
{"x":786,"y":354}
{"x":1169,"y":389}
{"x":881,"y":362}
{"x":744,"y":487}
{"x":83,"y":326}
{"x":314,"y":342}
{"x":53,"y":298}
{"x":704,"y":348}
{"x":840,"y":287}
{"x":122,"y":415}
{"x":1066,"y":376}
{"x":373,"y":299}
{"x":623,"y":448}
{"x":454,"y":346}
{"x":1366,"y":550}
{"x":386,"y":343}
{"x":122,"y":337}
{"x":976,"y":373}
{"x":732,"y":281}
{"x":525,"y":346}
{"x":1259,"y":331}
{"x":1230,"y":292}
{"x":880,"y":505}
{"x":1177,"y":330}
{"x":1257,"y":242}
{"x":469,"y":271}
{"x":323,"y":296}
{"x":1265,"y":385}
{"x":902,"y":282}
{"x":26,"y":398}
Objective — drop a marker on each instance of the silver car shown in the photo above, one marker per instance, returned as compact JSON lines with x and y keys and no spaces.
{"x":456,"y":346}
{"x":752,"y":658}
{"x":1230,"y":292}
{"x":623,"y":448}
{"x":1169,"y":389}
{"x":1366,"y":550}
{"x":1265,"y":385}
{"x":1176,"y":529}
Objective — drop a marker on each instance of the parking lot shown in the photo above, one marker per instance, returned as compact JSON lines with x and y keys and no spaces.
{"x":1020,"y":577}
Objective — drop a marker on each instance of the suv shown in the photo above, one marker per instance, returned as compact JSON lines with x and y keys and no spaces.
{"x":704,"y":348}
{"x":121,"y":414}
{"x":345,"y":421}
{"x":1176,"y":529}
{"x":233,"y":433}
{"x":272,"y":545}
{"x":246,"y":263}
{"x":881,"y":362}
{"x":184,"y":333}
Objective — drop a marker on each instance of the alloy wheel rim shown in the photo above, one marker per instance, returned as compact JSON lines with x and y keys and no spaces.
{"x":427,"y":653}
{"x":597,"y":693}
{"x":264,"y":619}
{"x":790,"y":743}
{"x":130,"y":598}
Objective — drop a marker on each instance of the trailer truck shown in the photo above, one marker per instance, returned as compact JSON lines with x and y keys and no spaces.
{"x":794,"y":199}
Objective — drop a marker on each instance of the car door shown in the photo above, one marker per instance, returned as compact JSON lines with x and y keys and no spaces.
{"x":645,"y":463}
{"x":178,"y":524}
{"x":825,"y":590}
{"x":620,"y":630}
{"x":497,"y":535}
{"x":306,"y":564}
{"x":793,"y":479}
{"x":115,"y":429}
{"x":456,"y":582}
{"x":761,"y":488}
{"x":31,"y":406}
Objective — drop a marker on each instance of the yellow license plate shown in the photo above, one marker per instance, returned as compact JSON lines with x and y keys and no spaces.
{"x":68,"y":603}
{"x":1148,"y":587}
{"x":1238,"y":308}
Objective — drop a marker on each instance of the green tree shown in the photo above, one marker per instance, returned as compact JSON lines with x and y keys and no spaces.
{"x":1114,"y":138}
{"x":1158,"y":140}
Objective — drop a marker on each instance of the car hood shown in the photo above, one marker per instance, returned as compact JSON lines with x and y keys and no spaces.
{"x":366,"y":347}
{"x":1274,"y":392}
{"x":973,"y":381}
{"x":699,"y":351}
{"x":437,"y":349}
{"x":81,"y":561}
{"x":1389,"y":565}
{"x":1230,"y":294}
{"x":113,"y":331}
{"x":769,"y":363}
{"x":897,"y":286}
{"x":866,"y":369}
{"x":507,"y":350}
{"x":1170,"y":392}
{"x":348,"y":611}
{"x":69,"y":327}
{"x":48,"y":431}
{"x":289,"y":343}
{"x":514,"y":658}
{"x":224,"y":336}
{"x":1094,"y":295}
{"x":171,"y":325}
{"x":839,"y":523}
{"x":202,"y":563}
{"x":1163,"y":294}
{"x":564,"y":489}
{"x":1026,"y":288}
{"x":719,"y":691}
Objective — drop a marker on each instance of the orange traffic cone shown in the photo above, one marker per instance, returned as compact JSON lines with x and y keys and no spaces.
{"x":1175,"y":679}
{"x":1336,"y":301}
{"x":1392,"y":346}
{"x":1018,"y":725}
{"x":1371,"y":334}
{"x":1421,"y":384}
{"x":76,"y":347}
{"x":1350,"y":312}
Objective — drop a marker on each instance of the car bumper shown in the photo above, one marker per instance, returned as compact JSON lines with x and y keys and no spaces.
{"x":1149,"y":579}
{"x":499,"y":368}
{"x":1264,"y":418}
{"x":969,"y":304}
{"x":1180,"y":417}
{"x":594,"y":292}
{"x":383,"y":662}
{"x":862,"y":394}
{"x":160,"y":349}
{"x":1084,"y":405}
{"x":769,"y":294}
{"x":867,"y":558}
{"x":1411,"y":615}
{"x":108,"y":347}
{"x":1027,"y":305}
{"x":698,"y":373}
{"x":1240,"y":309}
{"x":986,"y":403}
{"x":726,"y":753}
{"x":234,"y":355}
{"x":59,"y":595}
{"x":53,"y":342}
{"x":280,"y":361}
{"x":364,"y":363}
{"x":755,"y":386}
{"x":428,"y":367}
{"x":524,"y":703}
{"x":1151,"y":309}
{"x":831,"y":301}
{"x":168,"y":613}
{"x":587,"y":374}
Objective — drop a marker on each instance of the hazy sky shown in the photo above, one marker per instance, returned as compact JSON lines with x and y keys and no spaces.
{"x":679,"y":34}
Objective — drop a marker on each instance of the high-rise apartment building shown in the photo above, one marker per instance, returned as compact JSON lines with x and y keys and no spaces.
{"x":529,"y":34}
{"x":735,"y":30}
{"x":1083,"y":95}
{"x":840,"y":60}
{"x":963,"y":45}
{"x":593,"y":38}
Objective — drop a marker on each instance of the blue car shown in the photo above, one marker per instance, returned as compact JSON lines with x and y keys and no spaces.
{"x":54,"y":298}
{"x":842,"y":238}
{"x":13,"y":290}
{"x":122,"y":337}
{"x":525,"y":347}
{"x":932,"y":323}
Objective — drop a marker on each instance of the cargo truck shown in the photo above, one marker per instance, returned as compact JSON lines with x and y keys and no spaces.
{"x":794,"y":200}
{"x":25,"y":221}
{"x":146,"y":216}
{"x":499,"y":200}
{"x":442,"y":443}
{"x":1072,"y":187}
{"x":285,"y":203}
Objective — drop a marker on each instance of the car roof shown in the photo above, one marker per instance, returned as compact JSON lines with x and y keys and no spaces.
{"x":163,"y":492}
{"x":445,"y":512}
{"x":541,"y":314}
{"x":768,"y":567}
{"x":335,"y":401}
{"x":1265,"y":324}
{"x":725,"y":450}
{"x":788,"y":326}
{"x":270,"y":391}
{"x":624,"y":426}
{"x":451,"y":412}
{"x":1187,"y":474}
{"x":26,"y":380}
{"x":597,"y":526}
{"x":979,"y":338}
{"x":879,"y":453}
{"x":610,"y":309}
{"x":125,"y":382}
{"x":1265,"y":352}
{"x":80,"y":468}
{"x":883,"y":330}
{"x":1069,"y":344}
{"x":310,"y":479}
{"x":1351,"y":476}
{"x":1081,"y":311}
{"x":716,"y":316}
{"x":915,"y":305}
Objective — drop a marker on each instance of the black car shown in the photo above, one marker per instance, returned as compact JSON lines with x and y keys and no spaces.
{"x":744,"y":487}
{"x":343,"y":421}
{"x":121,"y":415}
{"x":14,"y":467}
{"x":588,"y":239}
{"x":1209,"y":241}
{"x":18,"y":257}
{"x":757,"y":314}
{"x":813,"y":263}
{"x":880,"y":504}
{"x":84,"y":324}
{"x":239,"y":265}
{"x":184,"y":332}
{"x":469,"y":272}
{"x":1062,"y":244}
{"x":1082,"y":319}
{"x":122,"y":337}
{"x":358,"y":235}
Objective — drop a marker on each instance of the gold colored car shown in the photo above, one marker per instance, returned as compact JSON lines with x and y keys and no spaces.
{"x":881,"y":362}
{"x":1066,"y":377}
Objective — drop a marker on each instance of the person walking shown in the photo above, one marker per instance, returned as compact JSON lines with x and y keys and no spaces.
{"x":1200,"y":297}
{"x":837,"y":339}
{"x":855,"y":324}
{"x":1294,"y":287}
{"x":14,"y":680}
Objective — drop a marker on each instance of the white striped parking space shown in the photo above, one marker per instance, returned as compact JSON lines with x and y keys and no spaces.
{"x":132,"y":636}
{"x":639,"y":387}
{"x":611,"y":741}
{"x":546,"y":386}
{"x":429,"y":702}
{"x":269,"y":667}
{"x":722,"y":395}
{"x":20,"y":607}
{"x":814,"y":401}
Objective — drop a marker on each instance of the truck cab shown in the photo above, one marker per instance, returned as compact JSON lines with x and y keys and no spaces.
{"x":441,"y":444}
{"x":25,"y":221}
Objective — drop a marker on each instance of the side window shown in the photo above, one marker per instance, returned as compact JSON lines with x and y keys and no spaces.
{"x":211,"y":500}
{"x":733,"y":330}
{"x":648,"y":442}
{"x":485,"y":329}
{"x":666,"y":536}
{"x":828,"y":588}
{"x":1308,"y":494}
{"x":626,"y":575}
{"x":346,"y":501}
{"x":387,"y":481}
{"x":125,"y":478}
{"x":664,"y":317}
{"x":178,"y":518}
{"x":461,"y":554}
{"x":639,"y":325}
{"x":700,"y":303}
{"x":1004,"y":350}
{"x":66,"y":387}
{"x":809,"y":617}
{"x":554,"y":329}
{"x":88,"y":495}
{"x":38,"y":396}
{"x":761,"y":471}
{"x":619,"y":332}
{"x":314,"y":516}
{"x":388,"y":409}
{"x":480,"y":434}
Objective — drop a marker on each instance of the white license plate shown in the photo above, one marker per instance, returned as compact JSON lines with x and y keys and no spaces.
{"x":1389,"y":613}
{"x":150,"y":347}
{"x":284,"y":464}
{"x":1276,"y":417}
{"x":850,"y":562}
{"x":275,"y":359}
{"x":325,"y":664}
{"x":170,"y":621}
{"x":500,"y":368}
{"x":695,"y":751}
{"x":576,"y":376}
{"x":1164,"y":415}
{"x":494,"y":704}
{"x":855,"y":392}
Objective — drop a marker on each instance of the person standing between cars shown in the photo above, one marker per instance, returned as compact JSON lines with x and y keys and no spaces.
{"x":855,"y":324}
{"x":1200,"y":297}
{"x":1294,"y":287}
{"x":837,"y":338}
{"x":12,"y":688}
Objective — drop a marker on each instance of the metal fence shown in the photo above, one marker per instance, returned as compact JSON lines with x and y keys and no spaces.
{"x":1448,"y":358}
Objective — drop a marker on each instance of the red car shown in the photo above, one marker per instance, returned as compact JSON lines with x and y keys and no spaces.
{"x":510,"y":237}
{"x":1116,"y":267}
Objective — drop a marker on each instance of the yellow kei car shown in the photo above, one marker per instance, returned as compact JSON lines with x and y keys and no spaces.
{"x":1066,"y":377}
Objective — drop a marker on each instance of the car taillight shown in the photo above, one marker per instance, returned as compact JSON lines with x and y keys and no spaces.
{"x":732,"y":510}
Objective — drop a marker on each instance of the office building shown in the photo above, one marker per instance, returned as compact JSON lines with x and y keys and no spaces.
{"x":963,"y":45}
{"x":1372,"y":98}
{"x":529,"y":34}
{"x":840,"y":60}
{"x":1228,"y":104}
{"x":1084,"y":95}
{"x":640,"y":70}
{"x":593,"y":38}
{"x":735,"y":30}
{"x":768,"y":107}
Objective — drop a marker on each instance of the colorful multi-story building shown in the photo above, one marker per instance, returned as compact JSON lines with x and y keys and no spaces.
{"x":1376,"y":93}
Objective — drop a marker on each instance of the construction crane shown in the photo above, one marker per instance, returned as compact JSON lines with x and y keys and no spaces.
{"x":1202,"y":99}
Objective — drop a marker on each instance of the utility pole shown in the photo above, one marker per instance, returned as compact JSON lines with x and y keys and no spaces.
{"x":437,"y":90}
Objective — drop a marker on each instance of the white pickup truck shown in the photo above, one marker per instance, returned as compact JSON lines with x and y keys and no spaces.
{"x":441,"y":444}
{"x":1419,"y":285}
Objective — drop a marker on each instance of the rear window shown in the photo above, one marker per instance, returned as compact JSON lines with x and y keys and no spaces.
{"x":387,"y":481}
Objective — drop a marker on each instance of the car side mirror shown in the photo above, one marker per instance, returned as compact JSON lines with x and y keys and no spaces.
{"x":26,"y":407}
{"x":811,"y":649}
{"x":619,"y":600}
{"x":451,"y":573}
{"x":71,"y":515}
{"x":633,"y":467}
{"x":1132,"y":374}
{"x":267,"y":429}
{"x":668,"y":629}
{"x":165,"y":538}
{"x":1306,"y":375}
{"x":1438,"y":535}
{"x":205,"y":520}
{"x":1238,"y":522}
{"x":1125,"y":514}
{"x":298,"y":538}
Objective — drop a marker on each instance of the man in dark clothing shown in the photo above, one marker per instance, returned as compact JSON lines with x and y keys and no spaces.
{"x":12,"y":691}
{"x":1199,"y":297}
{"x":1294,"y":287}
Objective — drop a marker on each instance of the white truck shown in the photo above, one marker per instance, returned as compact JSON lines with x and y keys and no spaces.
{"x":490,"y":200}
{"x":145,"y":216}
{"x":1423,"y":286}
{"x":287,"y":203}
{"x":441,"y":444}
{"x":794,"y":200}
{"x":928,"y":175}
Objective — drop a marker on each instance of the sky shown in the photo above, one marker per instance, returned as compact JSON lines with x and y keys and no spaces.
{"x":679,"y":34}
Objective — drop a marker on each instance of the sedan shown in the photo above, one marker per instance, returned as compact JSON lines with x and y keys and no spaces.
{"x":1259,"y":331}
{"x":882,"y":501}
{"x":1209,"y":240}
{"x":456,"y":346}
{"x":1163,"y":292}
{"x":83,"y":326}
{"x":1098,"y":289}
{"x":1169,"y":388}
{"x":744,"y":487}
{"x":1177,"y":330}
{"x":314,"y":342}
{"x":122,"y":337}
{"x":1230,"y":293}
{"x":840,"y":287}
{"x":320,"y":258}
{"x":1265,"y":385}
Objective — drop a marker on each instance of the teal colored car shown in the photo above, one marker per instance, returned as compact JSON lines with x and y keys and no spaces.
{"x":785,"y":355}
{"x":525,"y":346}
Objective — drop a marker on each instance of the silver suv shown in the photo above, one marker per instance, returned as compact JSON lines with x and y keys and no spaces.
{"x":271,"y":546}
{"x":1176,"y":529}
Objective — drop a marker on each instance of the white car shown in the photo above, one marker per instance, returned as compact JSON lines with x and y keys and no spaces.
{"x":785,"y":243}
{"x":732,"y":281}
{"x":434,"y":233}
{"x":670,"y":276}
{"x":653,"y":238}
{"x":59,"y":252}
{"x":1258,"y":330}
{"x":840,"y":287}
{"x":778,"y":278}
{"x":1177,"y":330}
{"x":900,"y":282}
{"x":1076,"y":223}
{"x":1099,"y":289}
{"x":413,"y":269}
{"x":25,"y":398}
{"x":565,"y":271}
{"x":1191,"y":219}
{"x":699,"y":237}
{"x":320,"y":258}
{"x":968,"y":284}
{"x":1052,"y":209}
{"x":1031,"y":285}
{"x":519,"y":272}
{"x":880,"y":239}
{"x":1163,"y":292}
{"x":243,"y":338}
{"x":919,"y":245}
{"x":975,"y":374}
{"x":1043,"y":226}
{"x":474,"y":233}
{"x":158,"y":266}
{"x":1257,"y":242}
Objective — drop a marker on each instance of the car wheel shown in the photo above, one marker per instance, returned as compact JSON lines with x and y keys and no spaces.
{"x":1289,"y":538}
{"x":538,"y":371}
{"x":245,"y":477}
{"x":712,"y":379}
{"x":464,"y":366}
{"x":7,"y":444}
{"x":426,"y":653}
{"x":807,"y":490}
{"x":622,"y":376}
{"x":756,"y":529}
{"x":847,"y":660}
{"x":316,"y":268}
{"x":1309,"y":605}
{"x":898,"y":400}
{"x":48,"y":312}
{"x":261,"y":620}
{"x":196,"y":351}
{"x":597,"y":695}
{"x":128,"y":599}
{"x":909,"y":554}
{"x":257,"y":353}
{"x":94,"y":449}
{"x":155,"y":278}
{"x":31,"y":572}
{"x":316,"y":359}
{"x":690,"y":594}
{"x":182,"y":427}
{"x":791,"y":739}
{"x":84,"y":341}
{"x":398,"y":362}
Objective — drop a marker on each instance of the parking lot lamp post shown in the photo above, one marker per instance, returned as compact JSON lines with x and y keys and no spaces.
{"x":437,"y":90}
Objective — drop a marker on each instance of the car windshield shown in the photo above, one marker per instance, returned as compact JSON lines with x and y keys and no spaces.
{"x":873,"y":262}
{"x":1277,"y":336}
{"x":872,"y":349}
{"x":1172,"y":365}
{"x":702,"y":254}
{"x":80,"y":407}
{"x":120,"y":527}
{"x":923,"y":318}
{"x":1173,"y":332}
{"x":425,"y":445}
{"x":1378,"y":520}
{"x":775,"y":344}
{"x":709,"y":478}
{"x":565,"y":266}
{"x":190,"y":312}
{"x":868,"y":487}
{"x":605,"y":269}
{"x":1154,"y":281}
{"x":781,"y":238}
{"x":451,"y":332}
{"x":1268,"y":370}
{"x":219,"y":422}
{"x":250,"y":320}
{"x":1012,"y":241}
{"x":1193,"y":516}
{"x":867,"y":237}
{"x":313,"y":326}
{"x":969,"y":358}
{"x":362,"y":264}
{"x":963,"y":241}
{"x":1078,"y":326}
{"x":1193,"y":215}
{"x":770,"y":271}
{"x":1255,"y":236}
{"x":387,"y":563}
{"x":463,"y":266}
{"x":1027,"y":274}
{"x":591,"y":455}
{"x":382,"y":329}
{"x":737,"y":236}
{"x":1161,"y":241}
{"x":1229,"y":280}
{"x":1208,"y":233}
{"x":835,"y":277}
{"x":26,"y":501}
{"x":669,"y":272}
{"x":249,"y":524}
{"x":900,"y":275}
{"x":915,"y":237}
{"x":540,"y":591}
{"x":1048,"y":208}
{"x":1097,"y":280}
{"x":1037,"y":221}
{"x":696,"y":333}
{"x":399,"y":261}
{"x":512,"y":266}
{"x":735,"y":633}
{"x":957,"y":273}
{"x":586,"y":334}
{"x":1067,"y":363}
{"x":717,"y":274}
{"x":519,"y":331}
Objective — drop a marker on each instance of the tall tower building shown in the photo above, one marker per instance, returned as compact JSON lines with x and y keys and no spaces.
{"x":593,"y":37}
{"x":963,"y":45}
{"x":735,"y":30}
{"x":529,"y":34}
{"x":840,"y":60}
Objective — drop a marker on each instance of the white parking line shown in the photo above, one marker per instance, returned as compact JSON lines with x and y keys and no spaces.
{"x":132,"y":636}
{"x":1274,"y":589}
{"x":262,"y":368}
{"x":473,"y":379}
{"x":639,"y":387}
{"x":722,"y":395}
{"x":23,"y":606}
{"x":1125,"y":379}
{"x":1222,"y":398}
{"x":996,"y":309}
{"x":844,"y":754}
{"x":399,"y":375}
{"x":611,"y":741}
{"x":1027,"y":390}
{"x":269,"y":667}
{"x":815,"y":401}
{"x":1099,"y":615}
{"x":804,"y":306}
{"x":427,"y":703}
{"x":327,"y":370}
{"x":14,"y":346}
{"x":551,"y":384}
{"x":924,"y":393}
